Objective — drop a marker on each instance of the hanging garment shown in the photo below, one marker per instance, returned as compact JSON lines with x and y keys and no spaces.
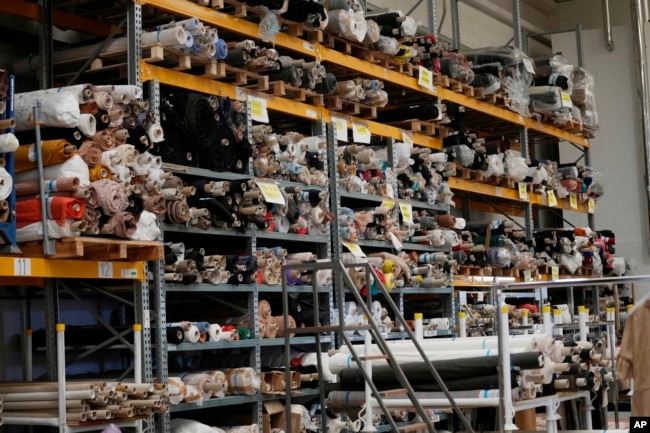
{"x":633,"y":360}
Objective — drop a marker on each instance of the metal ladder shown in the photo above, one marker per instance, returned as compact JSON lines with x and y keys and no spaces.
{"x":341,"y":280}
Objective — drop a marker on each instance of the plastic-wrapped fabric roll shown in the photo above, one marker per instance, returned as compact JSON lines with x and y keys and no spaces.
{"x":441,"y":323}
{"x":34,"y":231}
{"x":6,"y":183}
{"x":176,"y":387}
{"x":147,"y":227}
{"x":57,"y":110}
{"x":175,"y":335}
{"x":192,"y":394}
{"x":253,"y":428}
{"x":242,"y":381}
{"x":128,"y":93}
{"x":87,"y":125}
{"x":310,"y":359}
{"x":200,"y":380}
{"x":53,"y":152}
{"x":32,"y":187}
{"x":219,"y":378}
{"x":192,"y":335}
{"x":58,"y":208}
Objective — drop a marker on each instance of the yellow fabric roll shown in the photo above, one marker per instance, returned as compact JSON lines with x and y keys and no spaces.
{"x":99,"y":172}
{"x":53,"y":152}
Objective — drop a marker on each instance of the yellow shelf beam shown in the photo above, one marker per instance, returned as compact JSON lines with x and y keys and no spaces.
{"x":323,"y":53}
{"x":28,"y":268}
{"x":512,"y":194}
{"x":169,"y":77}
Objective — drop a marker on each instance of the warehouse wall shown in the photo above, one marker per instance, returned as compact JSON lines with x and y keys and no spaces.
{"x":617,"y":148}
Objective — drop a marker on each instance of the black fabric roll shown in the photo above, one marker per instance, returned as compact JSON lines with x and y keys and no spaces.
{"x":139,"y":138}
{"x":305,"y":10}
{"x":328,"y":85}
{"x":136,"y":204}
{"x":289,"y":75}
{"x":422,"y":111}
{"x":71,"y":135}
{"x":192,"y":254}
{"x":559,"y":81}
{"x":175,"y":335}
{"x":352,"y":380}
{"x":102,"y":120}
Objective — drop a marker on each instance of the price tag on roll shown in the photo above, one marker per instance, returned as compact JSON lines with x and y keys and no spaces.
{"x":388,"y":204}
{"x":591,"y":205}
{"x":552,"y":200}
{"x":523,"y":190}
{"x":555,"y":273}
{"x":259,"y":111}
{"x":271,"y":192}
{"x":573,"y":200}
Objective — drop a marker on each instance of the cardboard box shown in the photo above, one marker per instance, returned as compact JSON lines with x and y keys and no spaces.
{"x":274,"y":417}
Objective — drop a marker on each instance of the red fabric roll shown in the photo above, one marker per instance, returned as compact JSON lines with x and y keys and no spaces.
{"x":59,"y":209}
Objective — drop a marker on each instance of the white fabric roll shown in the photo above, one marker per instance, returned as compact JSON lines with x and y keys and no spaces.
{"x":81,"y":92}
{"x":57,"y":110}
{"x":87,"y":125}
{"x":193,"y":335}
{"x":215,"y":332}
{"x":6,"y":183}
{"x":281,"y":224}
{"x":147,"y":227}
{"x":131,"y":92}
{"x":155,"y":133}
{"x":8,"y":143}
{"x":34,"y":231}
{"x":441,"y":323}
{"x":311,"y":359}
{"x":73,"y":167}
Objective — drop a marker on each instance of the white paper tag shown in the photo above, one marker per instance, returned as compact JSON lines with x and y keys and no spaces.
{"x":407,"y":138}
{"x":529,"y":66}
{"x":462,"y":297}
{"x":480,"y":297}
{"x":271,"y":192}
{"x":360,"y":133}
{"x":105,"y":269}
{"x":22,"y":267}
{"x":340,"y":128}
{"x":259,"y":112}
{"x":395,"y":242}
{"x":129,"y":273}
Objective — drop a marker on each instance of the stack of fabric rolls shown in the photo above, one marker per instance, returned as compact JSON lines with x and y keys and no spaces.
{"x":100,"y":177}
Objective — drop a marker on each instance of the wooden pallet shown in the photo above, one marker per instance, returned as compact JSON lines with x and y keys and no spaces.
{"x":91,"y":248}
{"x":284,"y":90}
{"x":425,"y":127}
{"x":336,"y":103}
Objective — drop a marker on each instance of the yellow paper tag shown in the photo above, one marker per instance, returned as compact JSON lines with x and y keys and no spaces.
{"x":555,"y":273}
{"x":566,"y":100}
{"x":552,"y":200}
{"x":259,"y":112}
{"x":523,"y":190}
{"x":271,"y":192}
{"x":591,"y":205}
{"x":407,"y":138}
{"x":340,"y":128}
{"x":407,"y":212}
{"x":354,"y":249}
{"x":528,"y":275}
{"x":388,"y":204}
{"x":360,"y":133}
{"x":425,"y":78}
{"x":573,"y":200}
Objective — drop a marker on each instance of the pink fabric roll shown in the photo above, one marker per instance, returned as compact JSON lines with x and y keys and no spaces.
{"x":122,"y":224}
{"x":105,"y":139}
{"x":90,"y":152}
{"x":156,"y":204}
{"x":111,"y":196}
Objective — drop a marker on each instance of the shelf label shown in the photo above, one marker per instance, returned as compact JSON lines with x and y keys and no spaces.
{"x":340,"y":128}
{"x":425,"y":78}
{"x":480,"y":297}
{"x":306,"y":45}
{"x":271,"y":192}
{"x":498,"y":191}
{"x":407,"y":212}
{"x":130,"y":273}
{"x":552,"y":200}
{"x":555,"y":273}
{"x":259,"y":112}
{"x":22,"y":267}
{"x":462,"y":297}
{"x":528,"y":275}
{"x":388,"y":204}
{"x":311,"y":114}
{"x":105,"y":269}
{"x":523,"y":190}
{"x":407,"y":138}
{"x":354,"y":249}
{"x":591,"y":205}
{"x":573,"y":200}
{"x":566,"y":100}
{"x":360,"y":133}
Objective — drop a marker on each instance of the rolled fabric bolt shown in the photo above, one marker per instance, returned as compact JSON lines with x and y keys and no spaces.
{"x":192,"y":335}
{"x":87,"y":125}
{"x":7,"y":123}
{"x":214,"y":332}
{"x":264,"y":308}
{"x":270,"y":328}
{"x":8,"y":143}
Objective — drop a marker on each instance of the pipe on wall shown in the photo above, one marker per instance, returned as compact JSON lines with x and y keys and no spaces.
{"x":607,"y":23}
{"x":642,"y":74}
